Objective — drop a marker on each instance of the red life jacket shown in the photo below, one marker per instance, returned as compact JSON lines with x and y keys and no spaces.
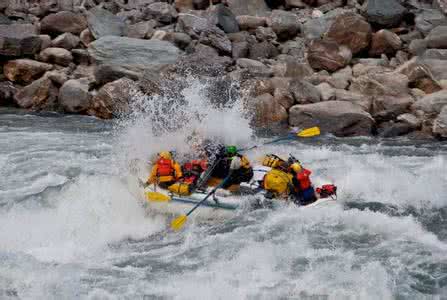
{"x":164,"y":167}
{"x":304,"y":179}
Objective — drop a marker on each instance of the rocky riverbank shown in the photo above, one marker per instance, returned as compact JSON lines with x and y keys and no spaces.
{"x":352,"y":67}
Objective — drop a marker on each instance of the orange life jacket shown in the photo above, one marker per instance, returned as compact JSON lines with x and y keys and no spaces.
{"x":165,"y":167}
{"x":304,"y":179}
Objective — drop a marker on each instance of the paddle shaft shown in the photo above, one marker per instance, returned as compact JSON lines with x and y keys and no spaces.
{"x":284,"y":138}
{"x":209,"y":194}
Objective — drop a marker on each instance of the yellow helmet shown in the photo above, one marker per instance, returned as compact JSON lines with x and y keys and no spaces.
{"x":296,"y":167}
{"x":165,"y":155}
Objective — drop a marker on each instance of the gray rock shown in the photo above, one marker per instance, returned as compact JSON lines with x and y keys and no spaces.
{"x":103,"y":23}
{"x":440,"y":54}
{"x":440,"y":124}
{"x":161,"y":11}
{"x":364,"y":101}
{"x":341,"y":79}
{"x":432,"y":103}
{"x":262,"y":50}
{"x":7,"y":92}
{"x":240,"y":50}
{"x":417,"y":47}
{"x":217,"y":39}
{"x":57,"y":56}
{"x":74,"y":96}
{"x":249,"y":7}
{"x":45,"y":41}
{"x":387,"y":13}
{"x":304,"y":92}
{"x":133,"y":54}
{"x":181,"y":40}
{"x":285,"y":24}
{"x":338,"y":117}
{"x":113,"y":99}
{"x":389,"y":107}
{"x":141,"y":30}
{"x":437,"y":38}
{"x":295,"y":48}
{"x":66,"y":40}
{"x":80,"y":56}
{"x":254,"y":67}
{"x":19,"y":40}
{"x":410,"y":119}
{"x":391,"y":129}
{"x":315,"y":28}
{"x":39,"y":95}
{"x":64,"y":21}
{"x":107,"y":73}
{"x":192,"y":25}
{"x":289,"y":67}
{"x":24,"y":70}
{"x":438,"y":68}
{"x":428,"y":19}
{"x":226,"y":19}
{"x":58,"y":77}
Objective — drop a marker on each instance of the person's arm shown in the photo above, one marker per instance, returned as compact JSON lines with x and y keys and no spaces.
{"x":178,"y":171}
{"x":153,"y":176}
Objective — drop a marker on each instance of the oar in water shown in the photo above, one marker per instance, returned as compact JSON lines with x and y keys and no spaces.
{"x":154,"y":196}
{"x":178,"y":223}
{"x":306,"y":133}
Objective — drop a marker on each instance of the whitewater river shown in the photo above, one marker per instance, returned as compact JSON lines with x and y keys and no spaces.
{"x":69,"y":228}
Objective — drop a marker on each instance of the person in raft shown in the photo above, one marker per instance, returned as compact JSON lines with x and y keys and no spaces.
{"x":166,"y":171}
{"x":303,"y":189}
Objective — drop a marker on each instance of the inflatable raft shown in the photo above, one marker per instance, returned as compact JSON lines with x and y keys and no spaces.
{"x":223,"y":204}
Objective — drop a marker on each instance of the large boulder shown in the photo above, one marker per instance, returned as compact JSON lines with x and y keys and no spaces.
{"x":432,"y":103}
{"x":102,"y":23}
{"x":66,"y":40}
{"x":338,"y":117}
{"x":428,"y":19}
{"x":385,"y":42}
{"x":64,"y":21}
{"x":328,"y":55}
{"x":249,"y":7}
{"x":285,"y":24}
{"x":268,"y":111}
{"x":74,"y":96}
{"x":59,"y":56}
{"x":7,"y":92}
{"x":113,"y":99}
{"x":351,"y":30}
{"x":19,"y":40}
{"x":39,"y":95}
{"x":386,"y":13}
{"x":161,"y":11}
{"x":389,"y":107}
{"x":25,"y":70}
{"x":108,"y":73}
{"x":437,"y":38}
{"x":133,"y":54}
{"x":380,"y":84}
{"x":226,"y":19}
{"x":440,"y":124}
{"x":437,"y":67}
{"x":304,"y":92}
{"x":363,"y":101}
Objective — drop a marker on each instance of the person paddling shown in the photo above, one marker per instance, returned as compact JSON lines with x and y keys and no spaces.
{"x":166,"y":171}
{"x":303,"y":189}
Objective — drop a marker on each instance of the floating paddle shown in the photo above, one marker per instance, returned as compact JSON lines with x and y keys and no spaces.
{"x":178,"y":223}
{"x":306,"y":133}
{"x":157,"y":197}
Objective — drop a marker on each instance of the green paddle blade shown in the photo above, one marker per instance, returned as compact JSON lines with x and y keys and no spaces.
{"x":309,"y":132}
{"x":178,"y":223}
{"x":157,"y":197}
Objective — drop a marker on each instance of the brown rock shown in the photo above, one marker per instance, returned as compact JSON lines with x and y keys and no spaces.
{"x":248,"y":7}
{"x":66,"y":40}
{"x":63,"y":21}
{"x":284,"y":98}
{"x":385,"y":42}
{"x":25,"y":70}
{"x":113,"y":99}
{"x":351,"y":30}
{"x":19,"y":40}
{"x":183,"y":5}
{"x":86,"y":37}
{"x":250,"y":22}
{"x":41,"y":94}
{"x":268,"y":111}
{"x":74,"y":96}
{"x":328,"y":55}
{"x":304,"y":92}
{"x":141,"y":30}
{"x":338,"y":117}
{"x":57,"y":56}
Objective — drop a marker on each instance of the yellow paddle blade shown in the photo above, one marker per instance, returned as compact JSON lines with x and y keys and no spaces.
{"x":309,"y":132}
{"x":157,"y":197}
{"x":178,"y":223}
